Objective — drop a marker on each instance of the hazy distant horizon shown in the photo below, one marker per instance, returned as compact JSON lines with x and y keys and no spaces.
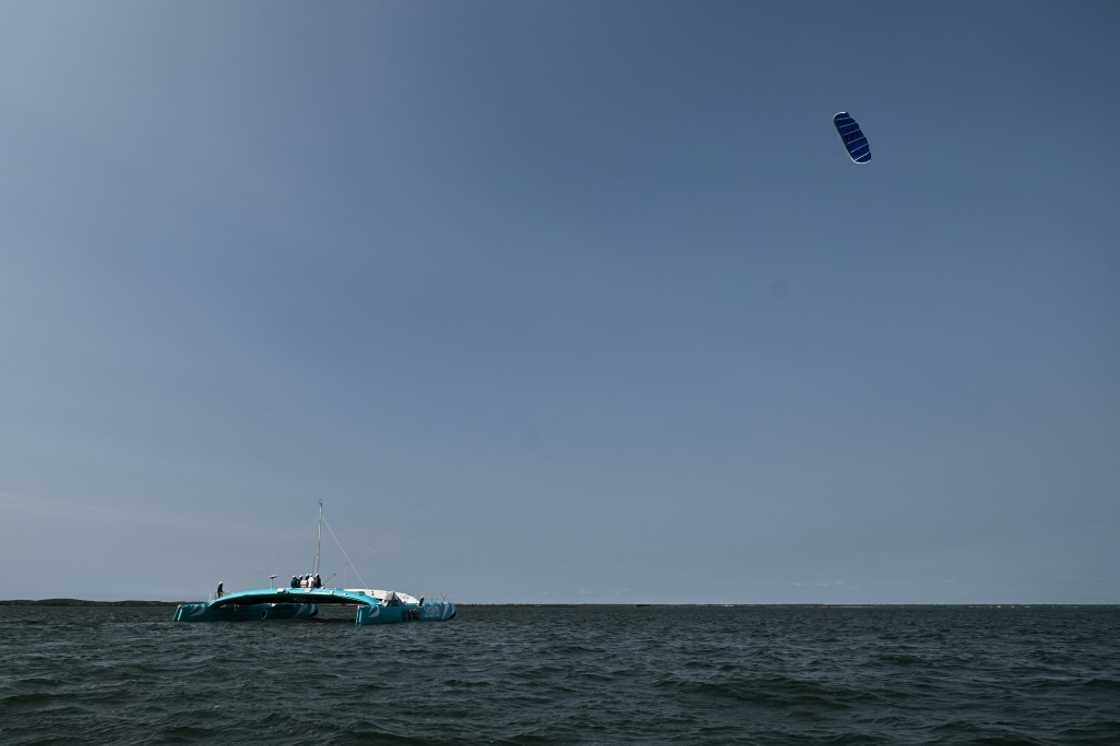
{"x":570,"y":301}
{"x":148,"y":602}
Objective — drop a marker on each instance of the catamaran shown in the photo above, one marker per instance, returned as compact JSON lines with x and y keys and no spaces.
{"x":374,"y":606}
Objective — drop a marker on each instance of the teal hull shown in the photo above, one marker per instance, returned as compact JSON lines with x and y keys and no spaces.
{"x":204,"y":612}
{"x":303,"y":603}
{"x":433,"y":611}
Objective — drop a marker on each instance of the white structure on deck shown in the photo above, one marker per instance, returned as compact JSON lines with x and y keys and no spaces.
{"x":385,"y":596}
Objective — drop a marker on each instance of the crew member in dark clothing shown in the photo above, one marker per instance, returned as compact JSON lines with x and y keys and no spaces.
{"x":220,"y":592}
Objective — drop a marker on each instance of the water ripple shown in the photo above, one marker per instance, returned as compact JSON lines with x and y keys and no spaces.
{"x":568,"y":674}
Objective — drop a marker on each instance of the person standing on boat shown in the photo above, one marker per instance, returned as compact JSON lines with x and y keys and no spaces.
{"x":221,"y":591}
{"x":317,"y":582}
{"x":295,"y":582}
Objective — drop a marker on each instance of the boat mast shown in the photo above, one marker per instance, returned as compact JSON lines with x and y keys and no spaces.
{"x":318,"y":538}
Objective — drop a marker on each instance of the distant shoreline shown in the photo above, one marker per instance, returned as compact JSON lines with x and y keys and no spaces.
{"x":992,"y":604}
{"x":81,"y":602}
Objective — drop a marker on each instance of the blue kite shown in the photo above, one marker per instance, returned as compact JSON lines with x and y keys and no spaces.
{"x":854,"y":140}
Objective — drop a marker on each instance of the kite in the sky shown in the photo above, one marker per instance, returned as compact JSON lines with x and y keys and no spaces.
{"x":854,"y":139}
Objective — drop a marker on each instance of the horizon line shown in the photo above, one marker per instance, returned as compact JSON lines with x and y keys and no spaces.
{"x":63,"y":601}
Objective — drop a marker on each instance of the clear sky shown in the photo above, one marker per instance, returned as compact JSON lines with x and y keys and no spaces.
{"x":569,"y":301}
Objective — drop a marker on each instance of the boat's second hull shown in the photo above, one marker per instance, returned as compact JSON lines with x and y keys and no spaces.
{"x":432,"y":611}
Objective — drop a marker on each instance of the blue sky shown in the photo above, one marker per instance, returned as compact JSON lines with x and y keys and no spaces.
{"x":561,"y":301}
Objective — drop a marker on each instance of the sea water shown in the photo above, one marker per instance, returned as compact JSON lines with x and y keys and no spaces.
{"x":567,"y":674}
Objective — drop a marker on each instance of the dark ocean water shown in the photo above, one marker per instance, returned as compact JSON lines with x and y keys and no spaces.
{"x":605,"y":674}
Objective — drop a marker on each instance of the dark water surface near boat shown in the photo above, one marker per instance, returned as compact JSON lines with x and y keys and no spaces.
{"x":604,"y":674}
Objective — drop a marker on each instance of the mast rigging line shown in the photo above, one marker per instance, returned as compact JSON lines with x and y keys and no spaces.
{"x":343,"y":550}
{"x":318,"y":538}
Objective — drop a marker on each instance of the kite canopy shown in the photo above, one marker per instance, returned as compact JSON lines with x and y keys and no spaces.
{"x":854,"y":140}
